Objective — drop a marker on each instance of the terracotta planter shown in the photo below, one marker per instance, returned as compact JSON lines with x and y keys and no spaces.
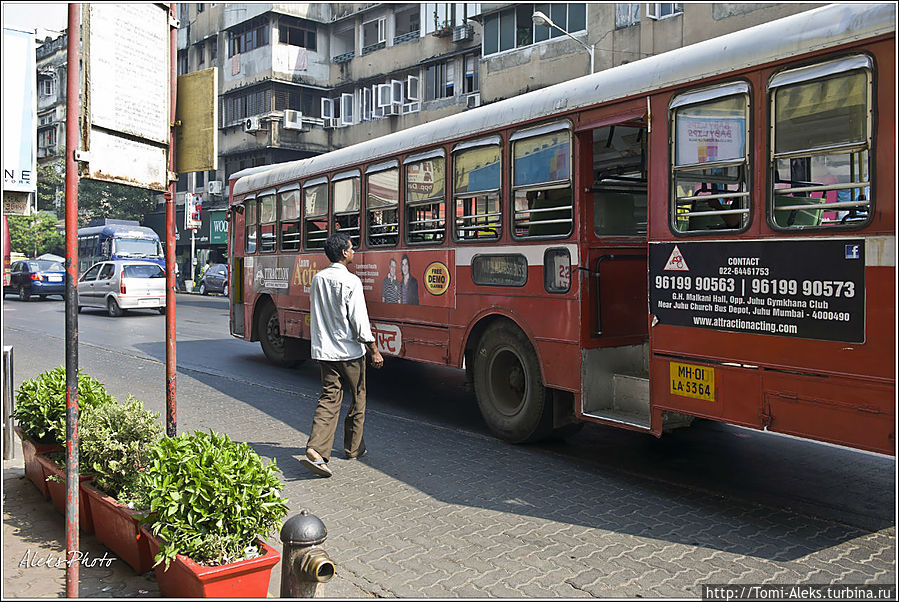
{"x":33,"y":469}
{"x":58,"y":493}
{"x":242,"y":579}
{"x":117,"y":528}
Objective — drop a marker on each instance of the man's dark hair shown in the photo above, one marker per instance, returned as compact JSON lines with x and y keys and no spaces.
{"x":336,"y":244}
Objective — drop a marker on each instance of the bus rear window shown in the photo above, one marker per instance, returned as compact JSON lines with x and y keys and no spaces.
{"x":821,"y":142}
{"x":151,"y":270}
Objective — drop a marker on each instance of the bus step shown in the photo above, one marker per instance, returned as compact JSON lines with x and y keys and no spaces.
{"x":630,"y":402}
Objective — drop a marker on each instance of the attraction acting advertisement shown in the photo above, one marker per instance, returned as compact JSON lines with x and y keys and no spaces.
{"x":807,"y":289}
{"x":401,"y":277}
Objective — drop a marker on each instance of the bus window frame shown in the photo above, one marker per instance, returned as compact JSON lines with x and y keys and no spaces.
{"x":251,"y":209}
{"x":298,"y":221}
{"x":391,"y":165}
{"x":262,"y":198}
{"x":313,"y":183}
{"x":695,"y":97}
{"x":534,"y":132}
{"x":344,"y":176}
{"x":821,"y":70}
{"x":406,"y":204}
{"x":489,"y":194}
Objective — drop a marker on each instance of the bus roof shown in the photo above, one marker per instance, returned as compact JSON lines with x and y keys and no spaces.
{"x":812,"y":30}
{"x":120,"y":231}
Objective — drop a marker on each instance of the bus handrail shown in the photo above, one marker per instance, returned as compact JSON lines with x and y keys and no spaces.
{"x":543,"y":210}
{"x":823,"y":187}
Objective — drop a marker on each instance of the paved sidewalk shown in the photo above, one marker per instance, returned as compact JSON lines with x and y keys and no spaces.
{"x":33,"y":531}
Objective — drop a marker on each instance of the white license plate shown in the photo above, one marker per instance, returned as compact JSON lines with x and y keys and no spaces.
{"x":148,"y":302}
{"x":54,"y":278}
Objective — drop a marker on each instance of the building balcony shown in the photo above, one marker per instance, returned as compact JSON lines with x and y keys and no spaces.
{"x":343,"y":58}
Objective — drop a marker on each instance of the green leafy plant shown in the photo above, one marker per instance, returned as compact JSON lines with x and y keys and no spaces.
{"x":209,"y":498}
{"x":41,"y":403}
{"x":115,"y":441}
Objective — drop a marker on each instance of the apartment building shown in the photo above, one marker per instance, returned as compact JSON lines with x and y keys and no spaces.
{"x":296,"y":80}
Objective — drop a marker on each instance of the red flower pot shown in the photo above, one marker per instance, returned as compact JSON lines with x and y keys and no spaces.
{"x":242,"y":579}
{"x":58,"y":493}
{"x":33,"y":469}
{"x":117,"y":528}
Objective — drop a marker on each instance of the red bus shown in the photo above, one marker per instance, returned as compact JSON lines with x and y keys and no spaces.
{"x":708,"y":233}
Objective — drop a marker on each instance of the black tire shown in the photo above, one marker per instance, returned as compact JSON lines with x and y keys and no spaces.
{"x":202,"y":288}
{"x":513,"y":401}
{"x":225,"y":290}
{"x":113,"y":309}
{"x":78,"y":309}
{"x":280,"y":350}
{"x":42,"y":297}
{"x":161,"y":310}
{"x":24,"y":294}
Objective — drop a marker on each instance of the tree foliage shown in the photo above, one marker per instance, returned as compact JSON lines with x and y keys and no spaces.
{"x":50,"y":181}
{"x":36,"y":234}
{"x":99,"y":200}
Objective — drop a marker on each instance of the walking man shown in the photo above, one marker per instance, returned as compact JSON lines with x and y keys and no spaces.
{"x":341,"y":333}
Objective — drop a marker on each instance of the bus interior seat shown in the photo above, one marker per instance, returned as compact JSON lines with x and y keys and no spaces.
{"x":797,"y":217}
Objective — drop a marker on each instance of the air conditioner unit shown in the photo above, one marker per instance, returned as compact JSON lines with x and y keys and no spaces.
{"x":331,"y":123}
{"x":393,"y":109}
{"x":411,"y":107}
{"x":251,"y":124}
{"x":214,"y":187}
{"x":462,"y":33}
{"x":473,"y":100}
{"x":293,"y":120}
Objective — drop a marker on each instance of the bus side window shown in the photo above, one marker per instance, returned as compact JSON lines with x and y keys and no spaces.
{"x":821,"y":145}
{"x":347,"y":205}
{"x":289,"y":231}
{"x":250,"y":222}
{"x":541,"y":182}
{"x":425,"y":200}
{"x":315,"y":211}
{"x":619,"y":180}
{"x":477,"y":177}
{"x":267,"y":223}
{"x":710,"y":171}
{"x":382,"y":198}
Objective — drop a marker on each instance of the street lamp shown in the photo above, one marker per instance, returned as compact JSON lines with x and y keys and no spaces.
{"x":540,"y":18}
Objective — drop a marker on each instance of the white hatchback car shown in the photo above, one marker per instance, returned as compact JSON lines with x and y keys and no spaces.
{"x":120,"y":285}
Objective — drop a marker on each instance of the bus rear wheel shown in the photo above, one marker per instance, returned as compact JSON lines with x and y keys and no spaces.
{"x":513,"y":401}
{"x":280,"y":350}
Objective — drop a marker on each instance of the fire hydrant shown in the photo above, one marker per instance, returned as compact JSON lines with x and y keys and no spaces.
{"x":304,"y":565}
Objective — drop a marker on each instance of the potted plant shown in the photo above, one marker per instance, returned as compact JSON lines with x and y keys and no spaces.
{"x":40,"y":415}
{"x":211,"y":503}
{"x":53,"y":465}
{"x":115,"y":443}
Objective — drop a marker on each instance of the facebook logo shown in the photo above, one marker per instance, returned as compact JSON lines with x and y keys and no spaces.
{"x":853,"y":251}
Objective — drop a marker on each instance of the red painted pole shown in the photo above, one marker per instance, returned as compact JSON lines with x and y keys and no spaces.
{"x":171,"y":419}
{"x":73,"y":113}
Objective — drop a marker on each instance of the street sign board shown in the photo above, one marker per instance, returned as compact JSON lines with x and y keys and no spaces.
{"x":196,"y":109}
{"x":126,"y":92}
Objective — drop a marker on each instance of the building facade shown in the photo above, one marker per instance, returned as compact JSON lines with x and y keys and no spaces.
{"x":296,"y":80}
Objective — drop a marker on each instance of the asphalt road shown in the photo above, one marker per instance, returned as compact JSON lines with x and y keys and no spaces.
{"x":715,"y":474}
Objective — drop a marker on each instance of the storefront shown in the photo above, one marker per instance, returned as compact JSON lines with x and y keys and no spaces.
{"x":209,"y":242}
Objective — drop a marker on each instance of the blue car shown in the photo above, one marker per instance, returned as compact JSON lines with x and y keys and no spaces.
{"x":39,"y":277}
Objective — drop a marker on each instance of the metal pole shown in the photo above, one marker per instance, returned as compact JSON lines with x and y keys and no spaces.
{"x":72,"y":118}
{"x":9,"y":441}
{"x":193,"y":250}
{"x":171,"y":369}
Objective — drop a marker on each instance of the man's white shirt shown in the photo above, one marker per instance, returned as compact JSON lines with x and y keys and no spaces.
{"x":339,"y":318}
